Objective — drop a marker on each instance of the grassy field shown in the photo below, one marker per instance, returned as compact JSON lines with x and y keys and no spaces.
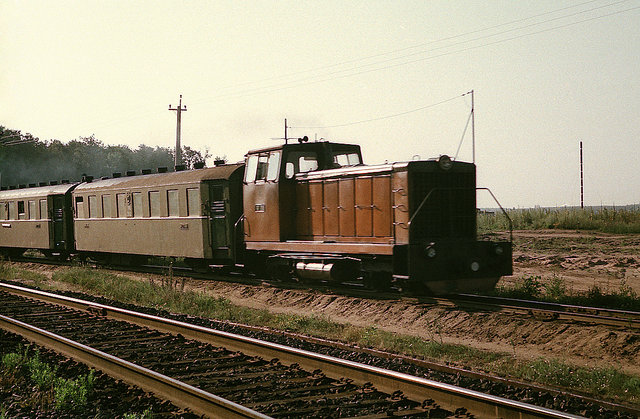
{"x":556,"y":290}
{"x":603,"y":382}
{"x":606,"y":220}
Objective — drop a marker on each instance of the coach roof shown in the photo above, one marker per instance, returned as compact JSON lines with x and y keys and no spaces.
{"x":38,"y":191}
{"x":163,"y":179}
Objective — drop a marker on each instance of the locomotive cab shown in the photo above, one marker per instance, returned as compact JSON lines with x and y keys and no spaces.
{"x":270,"y":184}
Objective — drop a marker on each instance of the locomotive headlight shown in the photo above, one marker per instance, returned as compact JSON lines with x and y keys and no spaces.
{"x":475,"y":266}
{"x":430,"y":251}
{"x":445,"y":162}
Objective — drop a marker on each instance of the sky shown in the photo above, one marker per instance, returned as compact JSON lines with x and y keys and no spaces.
{"x":390,"y":76}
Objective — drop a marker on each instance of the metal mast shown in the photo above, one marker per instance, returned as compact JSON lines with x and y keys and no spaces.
{"x":473,"y":128}
{"x":179,"y":110}
{"x":581,"y":179}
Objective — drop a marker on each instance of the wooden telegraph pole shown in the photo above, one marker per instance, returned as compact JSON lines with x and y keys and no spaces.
{"x":179,"y":110}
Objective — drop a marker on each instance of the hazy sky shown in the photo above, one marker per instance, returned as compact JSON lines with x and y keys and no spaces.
{"x":546,"y":74}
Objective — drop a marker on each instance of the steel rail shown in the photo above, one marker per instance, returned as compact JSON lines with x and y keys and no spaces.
{"x":181,"y":394}
{"x":598,"y":315}
{"x":416,"y":388}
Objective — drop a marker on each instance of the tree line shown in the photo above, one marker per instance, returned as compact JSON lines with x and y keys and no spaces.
{"x":25,"y":159}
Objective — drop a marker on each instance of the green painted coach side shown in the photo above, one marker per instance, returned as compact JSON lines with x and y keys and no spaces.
{"x":164,"y":214}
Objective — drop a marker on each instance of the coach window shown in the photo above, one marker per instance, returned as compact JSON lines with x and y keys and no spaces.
{"x":21,"y":211}
{"x":193,"y":201}
{"x":154,"y":203}
{"x":43,"y":210}
{"x":12,"y":210}
{"x":3,"y":210}
{"x":137,"y":204}
{"x":79,"y":207}
{"x":106,"y":206}
{"x":93,"y":206}
{"x":33,"y":215}
{"x":121,"y":205}
{"x":172,"y":201}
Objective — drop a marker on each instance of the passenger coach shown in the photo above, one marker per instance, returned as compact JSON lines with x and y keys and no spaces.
{"x":37,"y":218}
{"x":186,"y":214}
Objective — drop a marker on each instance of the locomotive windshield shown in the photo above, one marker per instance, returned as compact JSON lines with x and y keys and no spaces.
{"x":263,"y":166}
{"x":301,"y":162}
{"x":291,"y":159}
{"x":342,"y":159}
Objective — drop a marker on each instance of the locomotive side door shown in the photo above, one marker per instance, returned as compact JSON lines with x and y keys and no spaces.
{"x":262,"y":197}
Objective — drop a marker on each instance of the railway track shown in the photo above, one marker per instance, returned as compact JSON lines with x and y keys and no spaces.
{"x":541,"y":310}
{"x":219,"y":374}
{"x":548,"y":311}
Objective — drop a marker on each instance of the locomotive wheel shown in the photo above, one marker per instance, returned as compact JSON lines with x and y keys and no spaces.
{"x":379,"y":281}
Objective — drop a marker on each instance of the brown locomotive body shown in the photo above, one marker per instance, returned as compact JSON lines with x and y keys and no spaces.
{"x":315,"y":211}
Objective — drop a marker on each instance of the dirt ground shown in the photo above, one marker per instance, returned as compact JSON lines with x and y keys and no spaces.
{"x":581,"y":259}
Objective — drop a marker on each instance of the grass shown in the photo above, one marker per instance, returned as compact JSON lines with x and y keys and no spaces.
{"x":609,"y":383}
{"x":555,"y":290}
{"x":606,"y":220}
{"x":157,"y":295}
{"x":598,"y":381}
{"x":66,"y":395}
{"x":10,"y":272}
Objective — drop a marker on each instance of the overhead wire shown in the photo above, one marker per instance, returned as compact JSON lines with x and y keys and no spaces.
{"x":420,"y":45}
{"x":362,"y":69}
{"x":339,"y":74}
{"x":384,"y":117}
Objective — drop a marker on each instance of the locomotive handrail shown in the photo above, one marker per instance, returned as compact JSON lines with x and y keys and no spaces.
{"x":234,"y":239}
{"x":482,"y":188}
{"x":503,"y":211}
{"x":409,"y":224}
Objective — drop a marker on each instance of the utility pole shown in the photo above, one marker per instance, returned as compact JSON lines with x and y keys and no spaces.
{"x":179,"y":110}
{"x":581,"y":179}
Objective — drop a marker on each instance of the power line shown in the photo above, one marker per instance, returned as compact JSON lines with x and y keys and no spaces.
{"x":383,"y":117}
{"x":353,"y":71}
{"x":421,"y":44}
{"x":339,"y":74}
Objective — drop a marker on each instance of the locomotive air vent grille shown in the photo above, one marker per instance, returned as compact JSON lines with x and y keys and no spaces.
{"x":450,"y":210}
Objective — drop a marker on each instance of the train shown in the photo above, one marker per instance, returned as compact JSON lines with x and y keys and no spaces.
{"x":303,"y":210}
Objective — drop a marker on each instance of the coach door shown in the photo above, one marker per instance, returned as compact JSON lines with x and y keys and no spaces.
{"x":218,"y":222}
{"x":57,"y":217}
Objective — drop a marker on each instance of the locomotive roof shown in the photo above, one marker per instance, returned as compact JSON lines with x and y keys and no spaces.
{"x":37,"y":191}
{"x":302,"y":146}
{"x":163,"y":179}
{"x":378,"y":169}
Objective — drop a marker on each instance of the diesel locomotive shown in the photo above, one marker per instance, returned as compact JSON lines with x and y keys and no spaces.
{"x":307,"y":210}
